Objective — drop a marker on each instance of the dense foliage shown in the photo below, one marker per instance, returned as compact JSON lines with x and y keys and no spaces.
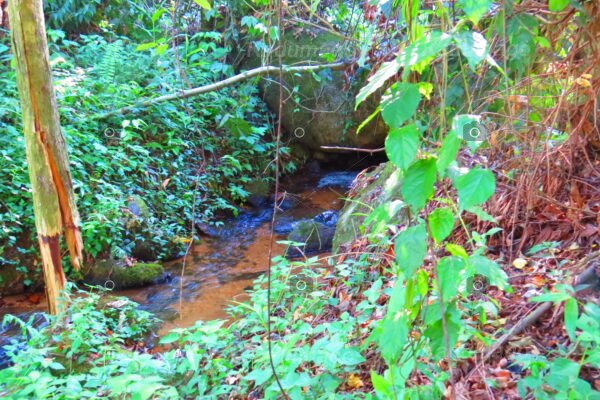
{"x":206,"y":148}
{"x":479,"y":99}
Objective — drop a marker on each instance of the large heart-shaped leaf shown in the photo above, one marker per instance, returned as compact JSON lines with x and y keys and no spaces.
{"x":401,"y":145}
{"x":475,"y":187}
{"x":417,"y":187}
{"x":399,"y":103}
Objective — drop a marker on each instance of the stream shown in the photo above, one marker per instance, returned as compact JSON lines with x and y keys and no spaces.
{"x":222,"y":266}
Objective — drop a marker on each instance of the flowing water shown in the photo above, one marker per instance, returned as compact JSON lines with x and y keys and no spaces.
{"x":220,"y":268}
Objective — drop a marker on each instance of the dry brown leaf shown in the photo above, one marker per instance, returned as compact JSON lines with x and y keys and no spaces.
{"x":354,"y":381}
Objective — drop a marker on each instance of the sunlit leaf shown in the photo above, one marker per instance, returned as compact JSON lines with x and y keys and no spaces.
{"x":417,"y":187}
{"x":475,"y":187}
{"x":401,"y":145}
{"x":399,"y":103}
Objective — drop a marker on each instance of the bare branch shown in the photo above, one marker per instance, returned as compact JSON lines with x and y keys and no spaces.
{"x":221,"y":84}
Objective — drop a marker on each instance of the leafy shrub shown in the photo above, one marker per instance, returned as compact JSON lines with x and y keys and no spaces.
{"x":198,"y":151}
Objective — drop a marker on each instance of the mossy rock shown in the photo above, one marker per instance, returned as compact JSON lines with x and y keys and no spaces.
{"x":321,"y":111}
{"x":373,"y":189}
{"x":123,"y":276}
{"x":259,"y":190}
{"x":11,"y":280}
{"x":317,"y":237}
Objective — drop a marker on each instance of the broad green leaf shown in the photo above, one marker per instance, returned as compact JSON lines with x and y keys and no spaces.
{"x":441,"y":223}
{"x":475,"y":187}
{"x":557,"y":5}
{"x":554,"y":297}
{"x":399,"y":103}
{"x":204,"y":4}
{"x":475,"y":9}
{"x":435,"y":333}
{"x":448,"y":152}
{"x":411,"y":248}
{"x":474,"y":46}
{"x":401,"y":145}
{"x":456,"y":250}
{"x":426,"y":47}
{"x":385,"y":72}
{"x":483,"y":266}
{"x":382,"y":386}
{"x":417,"y":187}
{"x":571,"y":314}
{"x":451,"y":271}
{"x":349,"y":356}
{"x":394,"y":334}
{"x":170,"y":338}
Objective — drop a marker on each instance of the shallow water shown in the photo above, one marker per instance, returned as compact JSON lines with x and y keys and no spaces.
{"x":220,"y":268}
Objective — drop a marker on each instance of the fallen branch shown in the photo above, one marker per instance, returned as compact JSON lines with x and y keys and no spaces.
{"x":221,"y":84}
{"x":589,"y":274}
{"x":359,"y":149}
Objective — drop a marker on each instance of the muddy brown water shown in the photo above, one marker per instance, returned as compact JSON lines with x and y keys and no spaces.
{"x":222,"y":267}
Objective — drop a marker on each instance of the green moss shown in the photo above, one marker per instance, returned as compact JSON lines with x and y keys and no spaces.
{"x":136,"y":275}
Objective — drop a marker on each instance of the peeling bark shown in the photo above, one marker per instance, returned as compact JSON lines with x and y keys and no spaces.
{"x":53,"y":200}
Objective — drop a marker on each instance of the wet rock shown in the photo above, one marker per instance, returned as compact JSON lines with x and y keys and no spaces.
{"x":331,"y":93}
{"x":317,"y":237}
{"x":340,"y":179}
{"x":259,"y":192}
{"x":284,"y":224}
{"x":328,"y":218}
{"x":112,"y":273}
{"x":144,"y":250}
{"x":373,"y":189}
{"x":207,"y":229}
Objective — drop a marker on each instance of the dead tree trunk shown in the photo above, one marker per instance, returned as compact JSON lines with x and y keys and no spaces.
{"x":53,"y":201}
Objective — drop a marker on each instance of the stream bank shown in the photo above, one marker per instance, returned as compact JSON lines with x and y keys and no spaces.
{"x":224,"y":264}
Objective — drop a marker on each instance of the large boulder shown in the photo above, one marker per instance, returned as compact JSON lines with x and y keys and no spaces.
{"x":319,"y":108}
{"x":370,"y":191}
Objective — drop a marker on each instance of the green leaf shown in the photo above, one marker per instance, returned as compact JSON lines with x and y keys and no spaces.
{"x":146,"y":46}
{"x":399,"y":103}
{"x":417,"y":187}
{"x":401,"y":145}
{"x":170,"y":338}
{"x":474,"y":46}
{"x":483,"y":266}
{"x":259,"y":376}
{"x":441,"y":223}
{"x":475,"y":187}
{"x":349,"y":356}
{"x":557,"y":5}
{"x":456,"y":250}
{"x":394,"y":334}
{"x":411,"y":248}
{"x":571,"y":314}
{"x":426,"y":47}
{"x":448,"y":152}
{"x":382,"y":386}
{"x":481,"y":214}
{"x":451,"y":271}
{"x":385,"y":72}
{"x":204,"y":4}
{"x":475,"y":9}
